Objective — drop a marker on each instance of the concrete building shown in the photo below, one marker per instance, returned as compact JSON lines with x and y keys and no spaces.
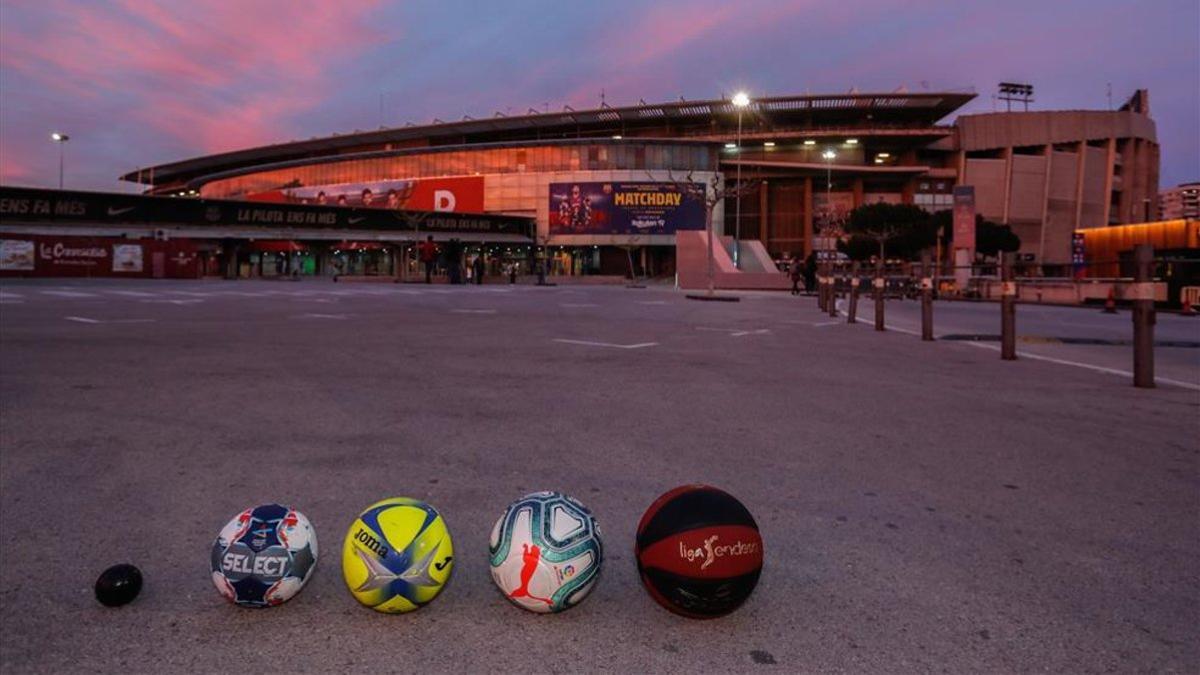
{"x":812,"y":159}
{"x":1181,"y":201}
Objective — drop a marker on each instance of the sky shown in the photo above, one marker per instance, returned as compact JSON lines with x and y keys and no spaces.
{"x":137,"y":82}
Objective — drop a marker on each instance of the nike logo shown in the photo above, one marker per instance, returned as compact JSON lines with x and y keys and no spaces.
{"x":116,"y":212}
{"x":354,"y":220}
{"x":442,"y":565}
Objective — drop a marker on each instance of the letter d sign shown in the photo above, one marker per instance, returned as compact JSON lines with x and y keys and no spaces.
{"x":443,"y":200}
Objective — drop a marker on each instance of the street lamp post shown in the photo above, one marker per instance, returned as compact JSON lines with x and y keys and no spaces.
{"x":740,"y":101}
{"x":61,"y":139}
{"x":827,"y":226}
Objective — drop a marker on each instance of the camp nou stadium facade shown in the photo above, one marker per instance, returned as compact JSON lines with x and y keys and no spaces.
{"x":604,"y":181}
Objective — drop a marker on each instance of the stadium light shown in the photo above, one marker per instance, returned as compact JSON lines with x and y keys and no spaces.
{"x":61,"y":139}
{"x":740,"y":101}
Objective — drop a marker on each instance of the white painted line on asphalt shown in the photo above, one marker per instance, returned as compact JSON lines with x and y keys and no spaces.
{"x":737,"y":332}
{"x":321,"y":316}
{"x":1087,"y":366}
{"x":473,"y":311}
{"x":314,"y":300}
{"x":84,"y":319}
{"x":10,"y":296}
{"x":589,"y":343}
{"x":133,"y":294}
{"x":193,"y":301}
{"x":69,"y":294}
{"x":577,"y":304}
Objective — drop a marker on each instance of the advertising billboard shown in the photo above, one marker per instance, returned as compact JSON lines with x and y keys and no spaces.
{"x":964,"y":217}
{"x":625,"y":208}
{"x":461,"y":194}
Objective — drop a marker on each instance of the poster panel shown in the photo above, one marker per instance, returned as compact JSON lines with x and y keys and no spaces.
{"x":127,"y":258}
{"x":16,"y":255}
{"x":964,"y":217}
{"x":625,"y":208}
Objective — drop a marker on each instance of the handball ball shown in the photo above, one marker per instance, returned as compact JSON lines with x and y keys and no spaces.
{"x":397,"y":555}
{"x":264,"y":556}
{"x":699,"y":552}
{"x":546,"y":552}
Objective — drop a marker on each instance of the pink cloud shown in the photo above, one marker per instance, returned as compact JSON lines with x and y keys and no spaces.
{"x":211,"y":74}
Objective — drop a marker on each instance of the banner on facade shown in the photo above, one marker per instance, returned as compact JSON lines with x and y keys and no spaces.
{"x":964,"y":217}
{"x":459,"y":194}
{"x":16,"y":255}
{"x":625,"y":208}
{"x":127,"y":258}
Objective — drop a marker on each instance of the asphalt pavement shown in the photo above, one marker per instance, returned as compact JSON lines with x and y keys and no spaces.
{"x":924,"y":506}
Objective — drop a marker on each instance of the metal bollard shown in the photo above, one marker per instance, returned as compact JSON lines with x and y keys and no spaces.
{"x":821,"y":286}
{"x":832,"y":293}
{"x":1144,"y":318}
{"x":879,"y":295}
{"x":1008,"y":309}
{"x":926,"y":299}
{"x":852,"y":310}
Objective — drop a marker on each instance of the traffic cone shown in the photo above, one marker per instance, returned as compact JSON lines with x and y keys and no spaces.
{"x":1110,"y":303}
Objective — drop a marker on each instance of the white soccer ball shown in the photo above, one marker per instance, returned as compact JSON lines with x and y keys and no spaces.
{"x":546,"y":552}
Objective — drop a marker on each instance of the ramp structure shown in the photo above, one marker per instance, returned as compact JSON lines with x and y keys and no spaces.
{"x":757,"y":273}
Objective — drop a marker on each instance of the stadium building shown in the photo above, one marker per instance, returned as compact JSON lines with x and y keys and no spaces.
{"x":614,"y":187}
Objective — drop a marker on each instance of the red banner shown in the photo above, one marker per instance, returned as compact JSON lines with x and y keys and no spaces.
{"x":51,"y":256}
{"x":460,"y":194}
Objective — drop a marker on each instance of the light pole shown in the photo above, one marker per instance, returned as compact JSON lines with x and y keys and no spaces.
{"x":740,"y":101}
{"x":61,"y":139}
{"x":828,"y":156}
{"x":827,"y":226}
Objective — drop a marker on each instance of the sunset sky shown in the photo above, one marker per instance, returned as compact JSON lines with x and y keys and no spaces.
{"x":137,"y":82}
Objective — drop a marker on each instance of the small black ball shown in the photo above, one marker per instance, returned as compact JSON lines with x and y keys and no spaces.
{"x":118,"y":585}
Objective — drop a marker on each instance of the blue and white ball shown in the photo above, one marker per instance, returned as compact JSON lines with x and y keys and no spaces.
{"x":264,"y":556}
{"x":546,"y":552}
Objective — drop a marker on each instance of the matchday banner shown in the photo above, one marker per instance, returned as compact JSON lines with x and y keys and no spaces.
{"x":624,"y":208}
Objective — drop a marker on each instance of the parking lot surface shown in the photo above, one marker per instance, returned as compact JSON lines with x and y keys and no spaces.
{"x":924,"y":506}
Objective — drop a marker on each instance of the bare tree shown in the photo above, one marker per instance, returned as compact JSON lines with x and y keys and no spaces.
{"x":710,"y":195}
{"x":414,"y":220}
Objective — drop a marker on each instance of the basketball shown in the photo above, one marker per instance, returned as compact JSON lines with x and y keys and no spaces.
{"x":397,"y":555}
{"x":545,"y":552}
{"x":699,"y":552}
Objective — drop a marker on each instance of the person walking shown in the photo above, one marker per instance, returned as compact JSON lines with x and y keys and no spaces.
{"x":796,"y":272}
{"x":477,"y":267}
{"x":427,"y":250}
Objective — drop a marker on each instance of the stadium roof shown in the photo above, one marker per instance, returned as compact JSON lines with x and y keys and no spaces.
{"x":680,"y":117}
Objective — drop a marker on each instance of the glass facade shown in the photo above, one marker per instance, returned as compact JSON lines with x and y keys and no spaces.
{"x":431,"y":162}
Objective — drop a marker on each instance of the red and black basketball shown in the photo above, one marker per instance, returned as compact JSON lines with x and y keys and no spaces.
{"x":699,"y":551}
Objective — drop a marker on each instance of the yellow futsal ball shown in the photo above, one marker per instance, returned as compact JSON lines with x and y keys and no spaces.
{"x":397,"y":555}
